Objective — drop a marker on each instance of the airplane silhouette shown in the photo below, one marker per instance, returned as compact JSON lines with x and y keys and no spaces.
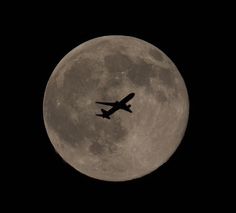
{"x":116,"y":106}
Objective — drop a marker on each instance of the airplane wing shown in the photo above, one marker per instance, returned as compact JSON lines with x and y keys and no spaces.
{"x":127,"y":109}
{"x":107,"y":103}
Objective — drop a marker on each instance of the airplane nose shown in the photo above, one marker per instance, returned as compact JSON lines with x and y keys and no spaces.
{"x":132,"y":94}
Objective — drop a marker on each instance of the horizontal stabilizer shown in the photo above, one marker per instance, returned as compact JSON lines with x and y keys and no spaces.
{"x":104,"y":114}
{"x":103,"y":111}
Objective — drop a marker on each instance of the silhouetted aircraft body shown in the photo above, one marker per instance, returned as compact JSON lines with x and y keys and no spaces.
{"x":116,"y":106}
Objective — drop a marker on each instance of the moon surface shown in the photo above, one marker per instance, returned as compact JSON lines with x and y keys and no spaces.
{"x":129,"y":145}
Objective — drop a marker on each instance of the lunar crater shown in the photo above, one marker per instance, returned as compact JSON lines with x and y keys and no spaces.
{"x":157,"y":55}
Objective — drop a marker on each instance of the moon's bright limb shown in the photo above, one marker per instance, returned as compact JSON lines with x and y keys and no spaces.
{"x":129,"y":145}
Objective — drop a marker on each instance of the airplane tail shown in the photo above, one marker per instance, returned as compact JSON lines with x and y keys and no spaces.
{"x":104,"y":114}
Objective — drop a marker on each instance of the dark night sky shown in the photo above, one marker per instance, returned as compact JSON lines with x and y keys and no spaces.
{"x":190,"y":176}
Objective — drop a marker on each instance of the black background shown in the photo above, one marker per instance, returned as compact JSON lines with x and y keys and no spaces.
{"x":192,"y":176}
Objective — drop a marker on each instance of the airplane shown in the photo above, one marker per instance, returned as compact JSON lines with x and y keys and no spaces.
{"x":116,"y":106}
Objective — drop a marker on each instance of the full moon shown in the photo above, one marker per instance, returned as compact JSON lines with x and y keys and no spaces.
{"x":129,"y":145}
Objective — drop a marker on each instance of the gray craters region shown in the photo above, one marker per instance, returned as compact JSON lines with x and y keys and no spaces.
{"x":78,"y":78}
{"x":161,"y":96}
{"x":97,"y":148}
{"x":156,"y":54}
{"x":113,"y":134}
{"x":117,"y":63}
{"x":141,"y":73}
{"x":166,"y":77}
{"x":59,"y":118}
